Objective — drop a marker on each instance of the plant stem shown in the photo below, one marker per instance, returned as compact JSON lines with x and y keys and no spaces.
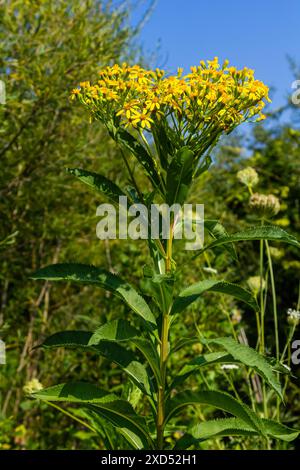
{"x":164,"y":351}
{"x":275,"y":317}
{"x":262,"y":306}
{"x":262,"y":321}
{"x":274,"y":298}
{"x":162,"y":387}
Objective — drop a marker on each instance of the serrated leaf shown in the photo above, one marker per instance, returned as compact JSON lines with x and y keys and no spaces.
{"x":86,"y":274}
{"x":192,"y":293}
{"x":214,"y":428}
{"x":98,"y":183}
{"x":219,"y":400}
{"x":179,"y":176}
{"x":110,"y":350}
{"x":221,"y":357}
{"x":212,"y":358}
{"x":119,"y":412}
{"x":250,"y":358}
{"x":233,"y":427}
{"x":116,"y":330}
{"x":265,"y":232}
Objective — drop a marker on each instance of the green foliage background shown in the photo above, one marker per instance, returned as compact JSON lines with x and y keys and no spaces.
{"x":47,"y":48}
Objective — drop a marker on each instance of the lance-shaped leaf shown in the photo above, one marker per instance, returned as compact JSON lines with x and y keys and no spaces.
{"x":119,"y":412}
{"x":121,"y":356}
{"x":85,"y":274}
{"x":115,"y":330}
{"x":121,"y":330}
{"x":265,"y":232}
{"x":221,"y":357}
{"x":147,"y":348}
{"x":192,"y":293}
{"x":98,"y":183}
{"x":220,"y":400}
{"x":180,"y":176}
{"x":250,"y":358}
{"x":233,"y":427}
{"x":141,"y":154}
{"x":163,"y":144}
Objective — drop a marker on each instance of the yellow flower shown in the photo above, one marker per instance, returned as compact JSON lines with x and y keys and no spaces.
{"x":210,"y":100}
{"x":142,"y":119}
{"x":153,"y":103}
{"x":128,"y":109}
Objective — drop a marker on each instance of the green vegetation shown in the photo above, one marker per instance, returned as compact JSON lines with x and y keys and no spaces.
{"x":137,"y":338}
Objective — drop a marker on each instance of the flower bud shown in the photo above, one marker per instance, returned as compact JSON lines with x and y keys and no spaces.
{"x":255,"y":284}
{"x":248,"y":176}
{"x":265,"y":206}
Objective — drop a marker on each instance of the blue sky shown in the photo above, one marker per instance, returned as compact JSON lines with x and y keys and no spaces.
{"x":258,"y":34}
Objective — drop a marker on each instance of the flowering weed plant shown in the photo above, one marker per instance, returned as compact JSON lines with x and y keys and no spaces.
{"x":169,"y":124}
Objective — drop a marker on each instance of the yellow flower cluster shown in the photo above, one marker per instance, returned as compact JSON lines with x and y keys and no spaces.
{"x":214,"y":96}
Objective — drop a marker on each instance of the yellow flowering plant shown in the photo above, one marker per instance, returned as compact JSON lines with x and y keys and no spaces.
{"x":169,"y":124}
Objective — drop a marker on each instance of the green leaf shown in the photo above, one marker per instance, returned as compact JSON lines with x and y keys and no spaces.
{"x":116,"y":330}
{"x":215,"y":428}
{"x":217,"y":399}
{"x":217,"y":231}
{"x":280,"y":431}
{"x":265,"y":232}
{"x":119,"y":412}
{"x":163,"y":145}
{"x":91,"y":275}
{"x":141,"y":154}
{"x":99,"y":183}
{"x":221,"y":357}
{"x":204,"y":166}
{"x":192,"y":293}
{"x":181,"y":343}
{"x":179,"y":176}
{"x":250,"y":358}
{"x":233,"y":427}
{"x":147,"y":348}
{"x":110,"y":350}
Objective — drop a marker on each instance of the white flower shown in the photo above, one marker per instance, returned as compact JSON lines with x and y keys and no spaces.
{"x":293,"y":316}
{"x":32,"y":386}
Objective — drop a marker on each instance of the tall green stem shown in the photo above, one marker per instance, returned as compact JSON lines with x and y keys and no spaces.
{"x":273,"y":298}
{"x":275,"y":316}
{"x":262,"y":320}
{"x":161,"y":391}
{"x":164,"y":351}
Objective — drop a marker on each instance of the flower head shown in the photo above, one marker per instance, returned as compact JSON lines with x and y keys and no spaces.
{"x":197,"y":107}
{"x":293,"y":316}
{"x":265,"y":206}
{"x":32,"y":386}
{"x":248,"y":176}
